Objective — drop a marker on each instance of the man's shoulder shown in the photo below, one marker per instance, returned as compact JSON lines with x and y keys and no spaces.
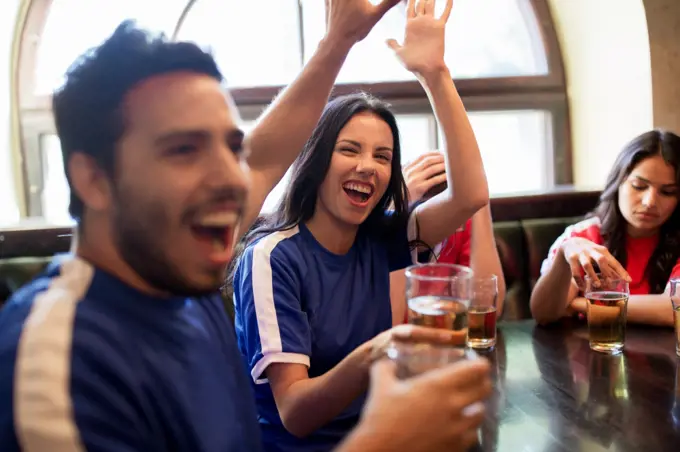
{"x":51,"y":319}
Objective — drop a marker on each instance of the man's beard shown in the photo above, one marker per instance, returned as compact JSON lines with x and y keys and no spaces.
{"x":139,"y":238}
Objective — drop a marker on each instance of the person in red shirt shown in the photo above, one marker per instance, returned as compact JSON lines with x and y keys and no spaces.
{"x":472,"y":245}
{"x":633,"y":233}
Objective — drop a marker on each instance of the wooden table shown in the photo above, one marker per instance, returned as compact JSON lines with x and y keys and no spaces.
{"x":553,"y":393}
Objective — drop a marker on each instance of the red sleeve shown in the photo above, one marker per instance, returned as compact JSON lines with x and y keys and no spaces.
{"x":456,"y":249}
{"x":465,"y":237}
{"x":587,"y":229}
{"x":675,"y":273}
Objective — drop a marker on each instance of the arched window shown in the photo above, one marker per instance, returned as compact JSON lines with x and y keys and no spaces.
{"x":503,"y":55}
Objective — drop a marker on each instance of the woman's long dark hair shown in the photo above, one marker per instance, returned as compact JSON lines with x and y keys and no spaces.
{"x":614,"y":226}
{"x":310,"y":168}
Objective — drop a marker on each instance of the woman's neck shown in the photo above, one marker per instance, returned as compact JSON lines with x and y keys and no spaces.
{"x":335,"y":236}
{"x":640,"y":233}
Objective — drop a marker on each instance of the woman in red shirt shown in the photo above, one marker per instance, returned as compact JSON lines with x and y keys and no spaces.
{"x":633,"y":233}
{"x":472,"y":245}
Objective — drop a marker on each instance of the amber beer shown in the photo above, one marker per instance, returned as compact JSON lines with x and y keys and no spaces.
{"x":482,"y":312}
{"x":438,"y":296}
{"x":481,"y":326}
{"x":607,"y":320}
{"x":438,"y":312}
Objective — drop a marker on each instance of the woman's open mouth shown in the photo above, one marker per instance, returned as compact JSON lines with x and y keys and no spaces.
{"x":359,"y":193}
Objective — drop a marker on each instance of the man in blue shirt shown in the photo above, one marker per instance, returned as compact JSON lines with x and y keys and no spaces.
{"x":124,"y":345}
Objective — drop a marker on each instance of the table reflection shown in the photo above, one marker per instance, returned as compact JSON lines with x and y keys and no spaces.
{"x":675,"y":411}
{"x":494,"y":406}
{"x":552,"y":393}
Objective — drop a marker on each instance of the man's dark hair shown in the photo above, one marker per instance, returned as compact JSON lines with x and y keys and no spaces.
{"x":88,"y":107}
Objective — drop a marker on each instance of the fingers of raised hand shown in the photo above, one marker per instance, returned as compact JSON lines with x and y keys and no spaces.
{"x":434,"y":169}
{"x":429,"y":155}
{"x":427,"y":7}
{"x":434,"y":181}
{"x":447,"y":11}
{"x":411,"y":9}
{"x":426,"y":168}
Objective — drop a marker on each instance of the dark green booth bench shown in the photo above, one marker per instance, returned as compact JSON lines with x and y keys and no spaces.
{"x":525,"y":226}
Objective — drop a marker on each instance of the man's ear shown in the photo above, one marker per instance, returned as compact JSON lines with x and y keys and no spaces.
{"x":89,"y":182}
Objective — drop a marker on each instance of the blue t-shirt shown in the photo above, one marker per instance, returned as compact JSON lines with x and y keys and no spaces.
{"x":296,"y":302}
{"x":89,"y":363}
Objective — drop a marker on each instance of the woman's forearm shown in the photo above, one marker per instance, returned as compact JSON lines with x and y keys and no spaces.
{"x":467,"y":189}
{"x":484,"y":259}
{"x":465,"y":169}
{"x":650,"y":309}
{"x":553,"y":292}
{"x":307,"y":404}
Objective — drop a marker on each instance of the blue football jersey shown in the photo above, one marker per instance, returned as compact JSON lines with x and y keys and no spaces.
{"x":88,"y":363}
{"x":296,"y":302}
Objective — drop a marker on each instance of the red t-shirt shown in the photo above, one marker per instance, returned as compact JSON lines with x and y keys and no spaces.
{"x":638,"y":250}
{"x":456,"y":249}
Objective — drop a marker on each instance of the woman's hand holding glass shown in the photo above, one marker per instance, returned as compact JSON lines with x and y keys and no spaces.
{"x":582,"y":253}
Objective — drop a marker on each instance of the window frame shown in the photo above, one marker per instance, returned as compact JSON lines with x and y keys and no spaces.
{"x":543,"y":92}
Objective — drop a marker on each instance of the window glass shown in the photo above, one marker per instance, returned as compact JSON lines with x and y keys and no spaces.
{"x":74,"y":26}
{"x":55,"y":192}
{"x":485,"y":38}
{"x":255,"y":42}
{"x":516,"y":147}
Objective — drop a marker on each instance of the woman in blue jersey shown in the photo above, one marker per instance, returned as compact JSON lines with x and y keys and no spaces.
{"x":311,"y":289}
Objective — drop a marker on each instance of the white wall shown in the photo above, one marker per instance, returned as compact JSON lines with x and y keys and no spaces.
{"x":9,"y":211}
{"x":605,"y":46}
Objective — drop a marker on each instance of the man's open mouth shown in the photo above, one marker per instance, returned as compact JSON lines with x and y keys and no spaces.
{"x":216,"y":231}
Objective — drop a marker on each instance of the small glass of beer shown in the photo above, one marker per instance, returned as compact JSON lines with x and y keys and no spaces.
{"x":482,"y":312}
{"x":675,"y":301}
{"x":606,"y":311}
{"x":438,"y":296}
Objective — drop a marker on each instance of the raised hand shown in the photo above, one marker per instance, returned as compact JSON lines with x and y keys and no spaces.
{"x":352,"y":20}
{"x":423,"y":49}
{"x":423,"y":173}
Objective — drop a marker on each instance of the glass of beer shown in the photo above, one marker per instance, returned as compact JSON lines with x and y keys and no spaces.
{"x":675,"y":302}
{"x":438,"y":296}
{"x":482,"y":312}
{"x":606,"y":311}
